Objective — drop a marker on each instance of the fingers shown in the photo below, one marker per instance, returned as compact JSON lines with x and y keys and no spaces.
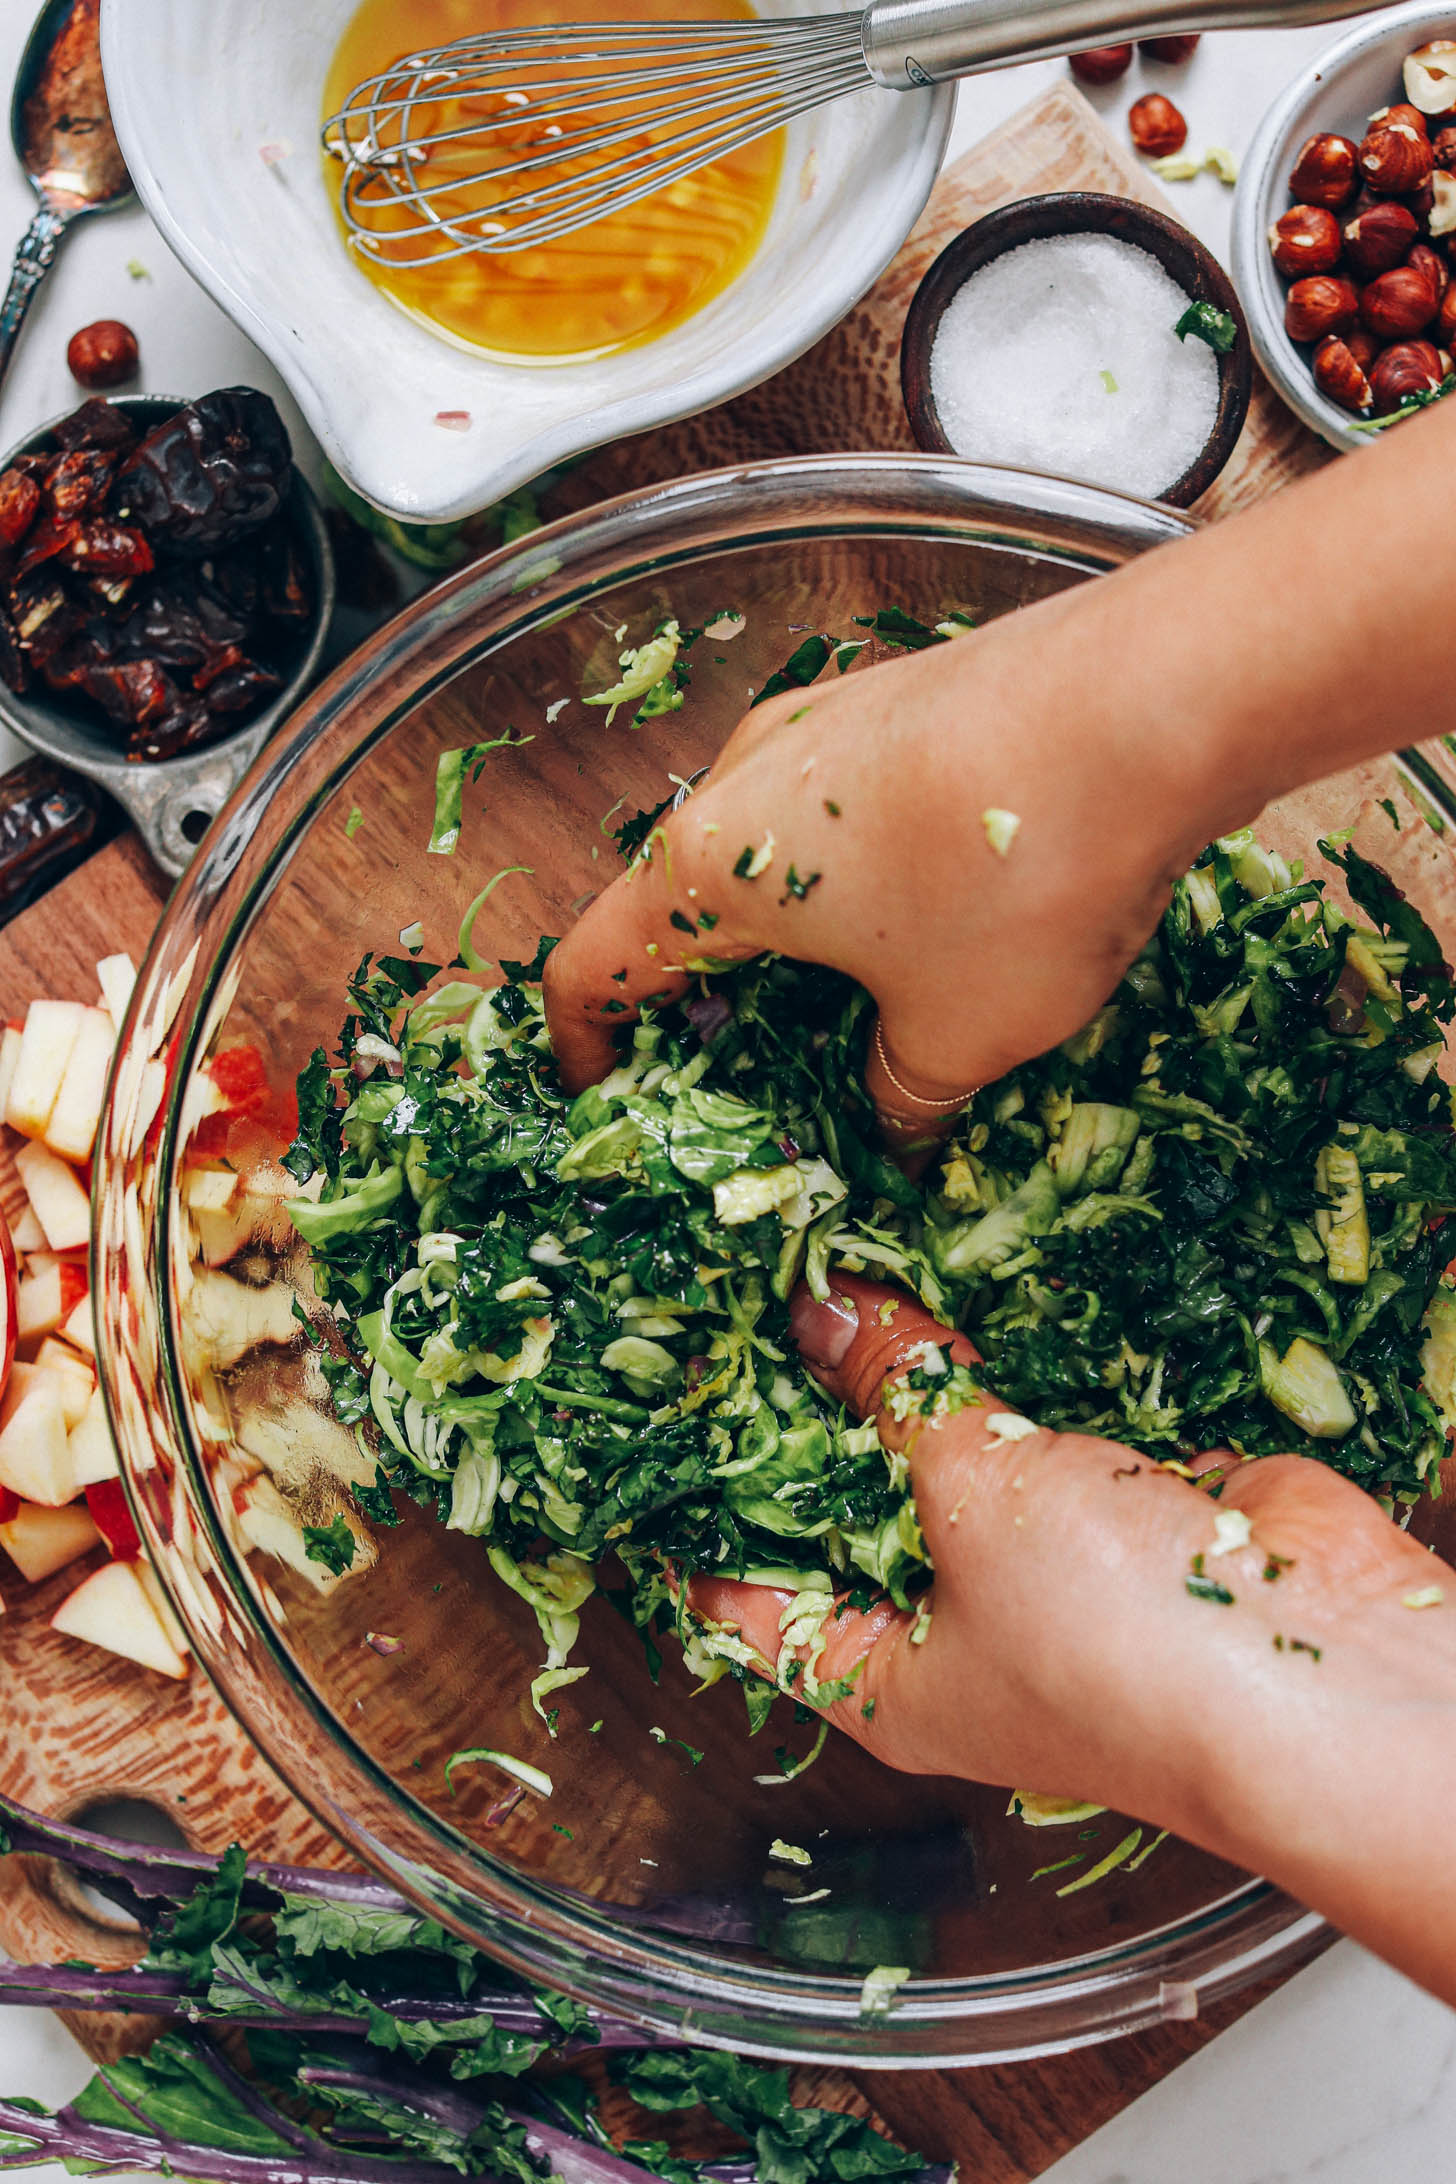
{"x":860,"y":1646}
{"x":628,"y":952}
{"x":864,"y":1335}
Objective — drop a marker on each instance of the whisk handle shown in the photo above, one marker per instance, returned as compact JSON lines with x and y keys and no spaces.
{"x":910,"y":42}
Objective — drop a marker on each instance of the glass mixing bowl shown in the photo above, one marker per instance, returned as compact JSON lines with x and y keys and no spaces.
{"x":644,"y":1884}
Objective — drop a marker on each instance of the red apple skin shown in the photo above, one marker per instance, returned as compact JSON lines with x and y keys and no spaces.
{"x":9,"y":1503}
{"x":9,"y":1275}
{"x":106,"y":1500}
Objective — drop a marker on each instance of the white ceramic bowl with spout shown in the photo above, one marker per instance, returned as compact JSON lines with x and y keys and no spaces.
{"x":217,"y":107}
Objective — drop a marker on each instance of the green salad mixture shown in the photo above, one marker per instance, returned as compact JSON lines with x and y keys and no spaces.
{"x":1211,"y":1219}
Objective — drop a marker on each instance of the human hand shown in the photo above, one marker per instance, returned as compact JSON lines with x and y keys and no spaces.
{"x":863,"y":802}
{"x":1065,"y":1652}
{"x":1124,"y":722}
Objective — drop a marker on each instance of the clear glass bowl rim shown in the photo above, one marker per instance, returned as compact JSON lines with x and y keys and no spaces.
{"x":661,"y":1981}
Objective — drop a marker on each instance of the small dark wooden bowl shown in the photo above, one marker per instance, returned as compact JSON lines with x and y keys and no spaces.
{"x":1081,"y":212}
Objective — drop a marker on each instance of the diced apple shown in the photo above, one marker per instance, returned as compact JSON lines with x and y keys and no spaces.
{"x":21,"y":1376}
{"x":9,"y":1056}
{"x":41,"y":1541}
{"x":106,"y":1500}
{"x":57,"y":1199}
{"x":226,"y":1318}
{"x":93,"y":1452}
{"x":35,"y":1460}
{"x":9,"y":1284}
{"x":209,"y":1189}
{"x":116,"y":975}
{"x":60,"y":1357}
{"x":73,"y":1376}
{"x":71,"y":1130}
{"x":43,"y":1302}
{"x":268,"y":1523}
{"x":156,"y":1592}
{"x":26,"y":1234}
{"x":144,"y":1102}
{"x":80,"y":1328}
{"x":45,"y":1049}
{"x":111,"y":1609}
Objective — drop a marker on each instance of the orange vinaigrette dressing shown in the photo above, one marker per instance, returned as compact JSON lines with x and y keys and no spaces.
{"x":622,"y":281}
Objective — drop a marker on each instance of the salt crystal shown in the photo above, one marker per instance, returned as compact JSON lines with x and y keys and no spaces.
{"x":1060,"y":355}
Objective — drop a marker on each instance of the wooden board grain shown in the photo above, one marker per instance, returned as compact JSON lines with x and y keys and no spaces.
{"x":76,"y":1726}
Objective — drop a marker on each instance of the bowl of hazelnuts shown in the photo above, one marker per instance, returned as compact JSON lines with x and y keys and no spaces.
{"x":1344,"y":250}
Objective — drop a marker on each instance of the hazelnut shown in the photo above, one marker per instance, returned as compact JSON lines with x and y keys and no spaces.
{"x":1363,"y":347}
{"x":1432,"y":266}
{"x":1379,"y":238}
{"x":1307,"y":239}
{"x":1173,"y":50}
{"x":1390,"y":117}
{"x":1446,"y":317}
{"x":1398,"y":304}
{"x":1395,"y":159}
{"x":1156,"y":126}
{"x":1322,"y":305}
{"x":102,"y":354}
{"x":1430,"y":76}
{"x":1442,"y":219}
{"x":1443,"y":148}
{"x":1101,"y":64}
{"x":1410,"y":367}
{"x":1340,"y":375}
{"x":1326,"y":172}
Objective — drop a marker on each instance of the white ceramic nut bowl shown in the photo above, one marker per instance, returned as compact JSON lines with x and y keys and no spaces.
{"x":1339,"y":91}
{"x":217,"y":106}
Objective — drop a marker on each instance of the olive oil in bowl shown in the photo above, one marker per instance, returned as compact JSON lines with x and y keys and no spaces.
{"x":625,"y":280}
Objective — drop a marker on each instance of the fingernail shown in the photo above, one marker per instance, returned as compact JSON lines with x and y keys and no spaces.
{"x":823,"y":1331}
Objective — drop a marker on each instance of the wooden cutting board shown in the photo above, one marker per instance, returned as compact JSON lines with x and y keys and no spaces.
{"x":77,"y":1726}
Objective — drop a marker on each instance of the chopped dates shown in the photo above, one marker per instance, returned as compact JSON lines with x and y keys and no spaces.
{"x":156,"y":579}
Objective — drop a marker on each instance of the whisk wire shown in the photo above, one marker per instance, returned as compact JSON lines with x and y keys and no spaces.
{"x":472,"y":148}
{"x":566,"y":144}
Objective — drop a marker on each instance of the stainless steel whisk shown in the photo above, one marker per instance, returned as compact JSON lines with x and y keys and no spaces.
{"x":506,"y":140}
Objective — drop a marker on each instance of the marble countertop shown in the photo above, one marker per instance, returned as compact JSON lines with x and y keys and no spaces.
{"x":1348,"y":2074}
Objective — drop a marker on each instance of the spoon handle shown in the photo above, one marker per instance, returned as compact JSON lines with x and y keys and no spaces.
{"x":33,"y":256}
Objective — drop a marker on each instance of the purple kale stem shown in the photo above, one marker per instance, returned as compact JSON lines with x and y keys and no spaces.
{"x":453,"y":2110}
{"x":147,"y":1873}
{"x":575,"y":2160}
{"x":571,"y":2159}
{"x":256,"y":2103}
{"x":743,"y":2169}
{"x":162,"y":1994}
{"x":64,"y":1987}
{"x":66,"y":2136}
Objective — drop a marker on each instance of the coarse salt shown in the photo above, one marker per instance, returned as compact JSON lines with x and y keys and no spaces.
{"x":1060,"y":355}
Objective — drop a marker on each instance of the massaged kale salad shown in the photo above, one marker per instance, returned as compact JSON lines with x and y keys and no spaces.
{"x":1211,"y":1219}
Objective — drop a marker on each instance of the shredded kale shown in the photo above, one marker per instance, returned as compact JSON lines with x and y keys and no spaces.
{"x":1212,"y":1218}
